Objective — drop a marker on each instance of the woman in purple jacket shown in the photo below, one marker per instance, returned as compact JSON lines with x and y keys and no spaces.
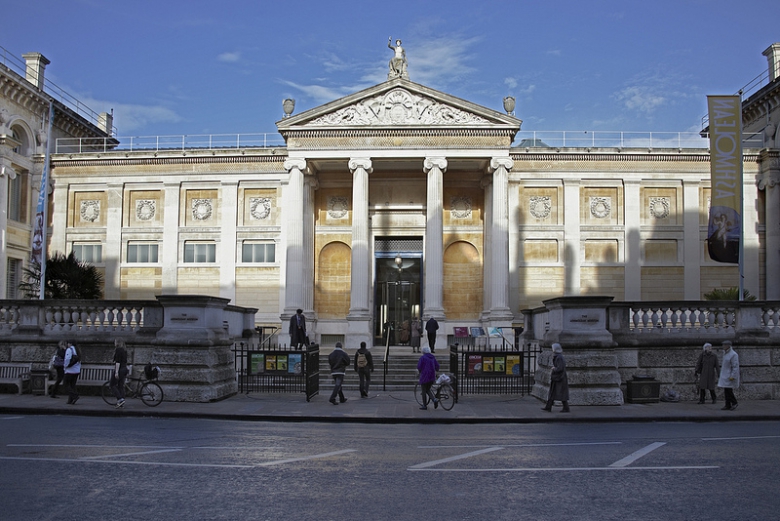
{"x":427,"y":367}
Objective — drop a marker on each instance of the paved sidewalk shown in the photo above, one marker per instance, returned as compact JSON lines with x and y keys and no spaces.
{"x":393,"y":407}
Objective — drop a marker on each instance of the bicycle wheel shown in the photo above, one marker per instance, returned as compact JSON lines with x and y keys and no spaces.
{"x":108,"y":394}
{"x":151,"y":394}
{"x":446,"y":397}
{"x":418,"y":393}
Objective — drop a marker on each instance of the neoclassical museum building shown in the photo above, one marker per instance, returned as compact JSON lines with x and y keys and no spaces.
{"x":402,"y":201}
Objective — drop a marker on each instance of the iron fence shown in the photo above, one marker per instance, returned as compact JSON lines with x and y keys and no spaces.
{"x":502,"y":369}
{"x":277,"y":370}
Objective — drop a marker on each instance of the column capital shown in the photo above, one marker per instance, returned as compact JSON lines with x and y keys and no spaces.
{"x":500,"y":162}
{"x":294,"y":163}
{"x":360,"y":162}
{"x":435,"y":162}
{"x":769,"y":166}
{"x":6,"y":170}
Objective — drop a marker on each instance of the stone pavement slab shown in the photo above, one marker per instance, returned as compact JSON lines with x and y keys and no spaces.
{"x":393,"y":407}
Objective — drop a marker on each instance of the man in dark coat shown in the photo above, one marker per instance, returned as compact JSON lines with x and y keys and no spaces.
{"x":432,"y":327}
{"x":339,"y":361}
{"x":298,"y":329}
{"x":559,"y":381}
{"x":707,"y":372}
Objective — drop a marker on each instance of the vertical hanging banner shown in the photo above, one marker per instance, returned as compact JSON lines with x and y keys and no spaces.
{"x":39,"y":230}
{"x":724,"y":230}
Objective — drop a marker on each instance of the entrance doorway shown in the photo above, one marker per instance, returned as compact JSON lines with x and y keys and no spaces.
{"x":398,"y":295}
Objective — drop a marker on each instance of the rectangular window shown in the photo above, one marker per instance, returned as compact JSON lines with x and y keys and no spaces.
{"x":141,"y":252}
{"x":91,"y":253}
{"x":13,"y":277}
{"x":15,"y":195}
{"x":258,"y":252}
{"x":200,"y":252}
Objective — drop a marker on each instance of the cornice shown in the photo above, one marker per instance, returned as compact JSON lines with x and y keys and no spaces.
{"x":396,"y":132}
{"x":755,"y":108}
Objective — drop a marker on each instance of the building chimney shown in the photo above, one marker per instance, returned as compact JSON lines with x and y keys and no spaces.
{"x":36,"y":63}
{"x":773,"y":57}
{"x":106,"y":122}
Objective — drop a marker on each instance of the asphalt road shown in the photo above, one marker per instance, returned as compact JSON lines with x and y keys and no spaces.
{"x":84,"y":468}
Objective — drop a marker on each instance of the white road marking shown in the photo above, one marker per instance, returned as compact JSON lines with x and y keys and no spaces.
{"x":522,"y":445}
{"x":126,"y":462}
{"x":741,"y":438}
{"x":454,"y":458}
{"x":628,"y":460}
{"x":11,"y":417}
{"x":305,"y":458}
{"x":565,"y":469}
{"x":131,"y":454}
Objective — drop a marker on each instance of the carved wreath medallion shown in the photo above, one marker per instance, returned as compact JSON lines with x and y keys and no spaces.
{"x":337,"y":207}
{"x":145,"y":209}
{"x":600,"y":207}
{"x":540,"y":206}
{"x":259,"y":207}
{"x":659,"y":207}
{"x":201,"y":209}
{"x":90,"y":210}
{"x":460,"y":207}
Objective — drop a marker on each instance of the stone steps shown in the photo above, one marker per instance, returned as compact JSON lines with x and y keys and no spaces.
{"x":401,"y":375}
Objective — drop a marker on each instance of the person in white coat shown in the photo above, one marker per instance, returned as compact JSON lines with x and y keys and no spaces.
{"x":72,"y":371}
{"x":729,"y":376}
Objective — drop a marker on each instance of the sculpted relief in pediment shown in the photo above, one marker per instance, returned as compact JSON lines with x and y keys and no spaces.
{"x":399,"y":107}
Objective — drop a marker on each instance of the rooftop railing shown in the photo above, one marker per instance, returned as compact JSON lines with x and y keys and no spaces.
{"x":169,"y":143}
{"x":620,"y":139}
{"x":19,"y":67}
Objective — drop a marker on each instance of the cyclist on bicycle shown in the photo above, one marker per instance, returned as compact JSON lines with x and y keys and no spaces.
{"x":120,"y":372}
{"x":427,"y":366}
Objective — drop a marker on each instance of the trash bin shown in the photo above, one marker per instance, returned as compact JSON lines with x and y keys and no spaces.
{"x":38,"y":379}
{"x":643,"y":389}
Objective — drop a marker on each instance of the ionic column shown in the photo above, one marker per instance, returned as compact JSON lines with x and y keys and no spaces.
{"x":358,"y":319}
{"x":769,"y":181}
{"x":487,"y":242}
{"x":294,"y":255}
{"x":499,"y":256}
{"x":434,"y":167}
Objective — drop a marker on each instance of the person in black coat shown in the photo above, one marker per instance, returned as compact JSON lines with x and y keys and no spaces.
{"x":559,"y":381}
{"x":707,"y":369}
{"x":338,"y":361}
{"x":432,"y":327}
{"x":298,"y":329}
{"x":364,"y":366}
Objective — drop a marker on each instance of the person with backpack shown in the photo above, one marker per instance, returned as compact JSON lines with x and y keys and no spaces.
{"x":58,"y":364}
{"x":364,"y":366}
{"x":72,"y":372}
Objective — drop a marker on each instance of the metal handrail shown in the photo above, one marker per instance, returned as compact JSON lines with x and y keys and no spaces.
{"x":386,"y":361}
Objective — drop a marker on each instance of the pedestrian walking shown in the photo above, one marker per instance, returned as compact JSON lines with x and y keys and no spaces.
{"x":427,"y":366}
{"x":339,"y":361}
{"x":707,"y":373}
{"x":364,"y":366}
{"x":415,"y":336}
{"x":559,"y":381}
{"x":729,"y":376}
{"x":58,"y":364}
{"x":72,"y":363}
{"x":120,"y":372}
{"x":432,"y":327}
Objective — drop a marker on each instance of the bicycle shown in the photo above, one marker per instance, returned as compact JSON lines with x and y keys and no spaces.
{"x":148,"y":391}
{"x":443,"y":389}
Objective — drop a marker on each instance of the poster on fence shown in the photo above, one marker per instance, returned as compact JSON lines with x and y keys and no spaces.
{"x":475,"y":364}
{"x":281,"y":363}
{"x":270,"y":363}
{"x":461,"y":332}
{"x":513,"y":366}
{"x":499,"y":364}
{"x":294,"y":365}
{"x":256,"y":363}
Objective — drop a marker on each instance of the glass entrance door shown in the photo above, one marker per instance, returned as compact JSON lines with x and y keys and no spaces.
{"x":397,"y":298}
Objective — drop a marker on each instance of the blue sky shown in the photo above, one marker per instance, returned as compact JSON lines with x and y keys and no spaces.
{"x":194,"y":67}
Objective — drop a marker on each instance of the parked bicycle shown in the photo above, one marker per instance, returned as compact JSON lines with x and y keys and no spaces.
{"x":443,"y":389}
{"x":143,"y":387}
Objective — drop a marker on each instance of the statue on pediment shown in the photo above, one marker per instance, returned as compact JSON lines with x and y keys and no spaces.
{"x":397,"y":62}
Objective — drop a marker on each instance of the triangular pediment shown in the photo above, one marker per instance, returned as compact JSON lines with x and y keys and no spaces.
{"x":398,"y":103}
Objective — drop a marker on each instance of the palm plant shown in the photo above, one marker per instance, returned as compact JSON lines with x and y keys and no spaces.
{"x":66,"y":278}
{"x":728,"y":294}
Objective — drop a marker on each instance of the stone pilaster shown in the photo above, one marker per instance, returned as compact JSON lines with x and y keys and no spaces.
{"x":359,"y":317}
{"x":487,"y":267}
{"x":293,"y":233}
{"x":112,"y":253}
{"x":571,"y":230}
{"x":632,"y":275}
{"x":170,"y":244}
{"x":227,"y":240}
{"x":500,"y":314}
{"x":6,"y":173}
{"x":310,"y":185}
{"x":691,"y":240}
{"x":769,"y":181}
{"x":433,"y":292}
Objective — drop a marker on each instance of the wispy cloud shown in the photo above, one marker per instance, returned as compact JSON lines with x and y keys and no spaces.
{"x":442,"y":60}
{"x":130,"y":117}
{"x":229,"y":57}
{"x":510,"y":82}
{"x":643,"y":99}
